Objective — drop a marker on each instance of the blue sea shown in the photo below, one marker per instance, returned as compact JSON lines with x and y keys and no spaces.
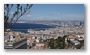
{"x":23,"y":27}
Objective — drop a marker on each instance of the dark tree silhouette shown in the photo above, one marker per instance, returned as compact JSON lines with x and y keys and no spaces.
{"x":19,"y":11}
{"x":58,"y":43}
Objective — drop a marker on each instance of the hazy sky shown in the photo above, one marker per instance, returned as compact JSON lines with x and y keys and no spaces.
{"x":55,"y":12}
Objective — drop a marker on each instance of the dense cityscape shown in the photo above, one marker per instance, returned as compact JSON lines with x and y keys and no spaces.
{"x":63,"y":35}
{"x":44,"y":26}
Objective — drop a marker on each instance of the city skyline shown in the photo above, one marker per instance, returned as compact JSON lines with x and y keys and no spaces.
{"x":44,"y":26}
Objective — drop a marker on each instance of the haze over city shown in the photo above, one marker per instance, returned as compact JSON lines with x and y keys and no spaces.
{"x":62,"y":12}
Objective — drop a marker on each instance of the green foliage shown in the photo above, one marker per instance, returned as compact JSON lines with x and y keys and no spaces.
{"x":80,"y":45}
{"x":51,"y":43}
{"x":58,"y":43}
{"x":6,"y":18}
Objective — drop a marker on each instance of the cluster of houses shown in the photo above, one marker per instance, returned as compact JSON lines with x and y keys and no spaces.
{"x":35,"y":38}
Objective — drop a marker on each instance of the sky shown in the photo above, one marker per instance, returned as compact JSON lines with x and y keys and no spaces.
{"x":54,"y":12}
